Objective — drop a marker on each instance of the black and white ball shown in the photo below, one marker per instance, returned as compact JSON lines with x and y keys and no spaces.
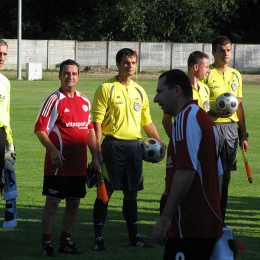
{"x":227,"y":103}
{"x":152,"y":150}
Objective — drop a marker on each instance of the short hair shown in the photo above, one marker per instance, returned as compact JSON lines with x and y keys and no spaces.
{"x":222,"y":40}
{"x":196,"y":57}
{"x":3,"y":43}
{"x":178,"y":77}
{"x":68,"y":62}
{"x":124,"y":52}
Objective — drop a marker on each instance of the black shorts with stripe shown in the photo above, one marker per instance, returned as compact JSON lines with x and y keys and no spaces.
{"x":122,"y":166}
{"x":61,"y":187}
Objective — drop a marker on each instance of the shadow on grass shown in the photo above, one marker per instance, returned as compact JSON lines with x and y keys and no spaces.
{"x":243,"y":217}
{"x":24,"y":241}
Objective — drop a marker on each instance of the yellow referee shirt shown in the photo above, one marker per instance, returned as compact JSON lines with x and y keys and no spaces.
{"x":202,"y":95}
{"x":121,"y":110}
{"x":5,"y":107}
{"x":218,"y":83}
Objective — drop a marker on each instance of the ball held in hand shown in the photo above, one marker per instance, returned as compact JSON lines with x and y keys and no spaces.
{"x":152,"y":150}
{"x":227,"y":103}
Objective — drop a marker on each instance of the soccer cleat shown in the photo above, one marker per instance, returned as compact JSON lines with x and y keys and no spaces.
{"x":48,"y":250}
{"x":139,"y":242}
{"x":69,"y":248}
{"x":99,"y":244}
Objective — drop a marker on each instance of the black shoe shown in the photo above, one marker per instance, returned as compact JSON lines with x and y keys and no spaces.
{"x":99,"y":244}
{"x":48,"y":250}
{"x":69,"y":248}
{"x":139,"y":242}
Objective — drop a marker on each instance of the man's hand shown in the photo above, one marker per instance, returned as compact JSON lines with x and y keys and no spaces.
{"x":56,"y":158}
{"x":160,"y":230}
{"x":10,"y":156}
{"x":163,"y":152}
{"x":217,"y":113}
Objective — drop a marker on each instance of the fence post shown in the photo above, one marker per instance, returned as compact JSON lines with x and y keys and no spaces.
{"x":48,"y":61}
{"x":76,"y":51}
{"x":108,"y":54}
{"x":171,"y":57}
{"x":234,"y":55}
{"x":139,"y":57}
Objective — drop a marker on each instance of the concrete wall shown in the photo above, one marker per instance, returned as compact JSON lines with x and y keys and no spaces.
{"x":155,"y":56}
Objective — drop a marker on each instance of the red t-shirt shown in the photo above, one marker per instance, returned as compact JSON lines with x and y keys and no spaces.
{"x":66,"y":121}
{"x":195,"y":146}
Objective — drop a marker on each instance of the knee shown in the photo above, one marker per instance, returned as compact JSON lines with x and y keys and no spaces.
{"x":130,"y":195}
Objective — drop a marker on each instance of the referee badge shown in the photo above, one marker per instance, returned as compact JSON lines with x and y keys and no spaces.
{"x":137,"y":106}
{"x":234,"y":86}
{"x":206,"y":105}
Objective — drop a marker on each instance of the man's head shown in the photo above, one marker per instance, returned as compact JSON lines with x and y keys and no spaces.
{"x":68,"y":62}
{"x":3,"y":52}
{"x":222,"y":50}
{"x":69,"y":75}
{"x":198,"y":64}
{"x":126,"y":61}
{"x":173,"y":91}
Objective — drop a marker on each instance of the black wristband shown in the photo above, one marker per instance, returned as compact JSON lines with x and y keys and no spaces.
{"x":244,"y":135}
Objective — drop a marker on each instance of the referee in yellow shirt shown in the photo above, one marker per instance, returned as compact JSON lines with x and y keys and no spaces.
{"x":221,"y":79}
{"x":198,"y":69}
{"x":120,"y":108}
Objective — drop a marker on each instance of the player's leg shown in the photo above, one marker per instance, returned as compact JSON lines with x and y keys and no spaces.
{"x":132,"y":183}
{"x":53,"y":197}
{"x":99,"y":219}
{"x":48,"y":214}
{"x":109,"y":170}
{"x":130,"y":213}
{"x":228,"y":154}
{"x":224,"y":193}
{"x":74,"y":189}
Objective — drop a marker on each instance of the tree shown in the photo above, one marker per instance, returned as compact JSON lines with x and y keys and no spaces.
{"x":133,"y":20}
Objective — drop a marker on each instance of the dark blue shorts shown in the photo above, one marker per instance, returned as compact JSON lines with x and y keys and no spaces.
{"x":122,"y":167}
{"x":61,"y":187}
{"x":189,"y":248}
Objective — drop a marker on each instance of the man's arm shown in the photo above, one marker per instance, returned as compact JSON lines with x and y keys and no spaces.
{"x":242,"y":125}
{"x":92,"y":145}
{"x":181,"y":183}
{"x":151,"y":132}
{"x":56,"y":156}
{"x":98,"y":133}
{"x":167,"y":124}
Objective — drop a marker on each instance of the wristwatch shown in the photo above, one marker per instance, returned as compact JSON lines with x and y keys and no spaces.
{"x":244,"y":135}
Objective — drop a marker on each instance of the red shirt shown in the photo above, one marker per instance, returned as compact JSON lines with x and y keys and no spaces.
{"x":195,"y":146}
{"x":66,"y":121}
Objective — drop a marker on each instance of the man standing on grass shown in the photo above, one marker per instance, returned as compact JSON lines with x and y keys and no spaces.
{"x":6,"y":139}
{"x":65,"y":129}
{"x":221,"y":79}
{"x":198,"y":69}
{"x":120,"y":108}
{"x":191,"y":219}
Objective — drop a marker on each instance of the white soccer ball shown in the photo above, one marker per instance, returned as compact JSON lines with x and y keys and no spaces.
{"x":227,"y":103}
{"x":152,"y":150}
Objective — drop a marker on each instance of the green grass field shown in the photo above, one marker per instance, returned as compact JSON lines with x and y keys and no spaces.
{"x":24,"y":241}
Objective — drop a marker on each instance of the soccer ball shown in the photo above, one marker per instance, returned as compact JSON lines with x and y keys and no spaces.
{"x":152,"y":150}
{"x":227,"y":103}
